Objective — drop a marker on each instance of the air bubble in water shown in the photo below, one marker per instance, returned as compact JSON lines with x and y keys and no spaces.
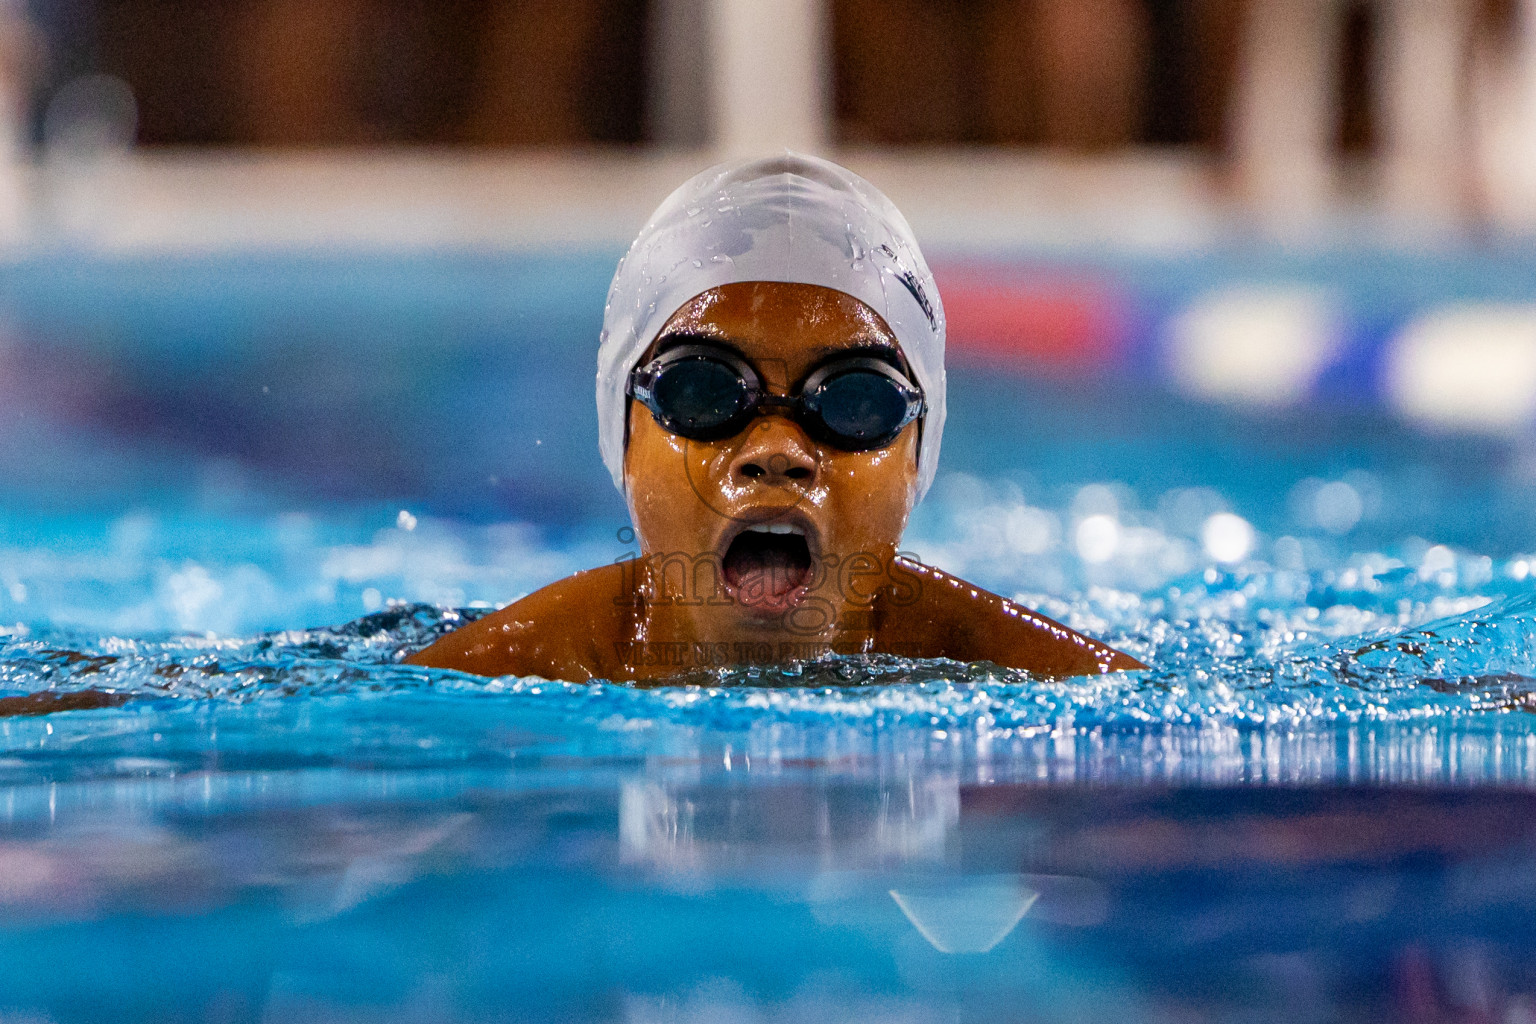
{"x":1227,"y":537}
{"x":1098,"y":536}
{"x":1337,"y":507}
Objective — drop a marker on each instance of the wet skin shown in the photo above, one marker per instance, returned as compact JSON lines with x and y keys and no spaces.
{"x":693,"y":599}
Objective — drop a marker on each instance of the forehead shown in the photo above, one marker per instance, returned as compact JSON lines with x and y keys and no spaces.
{"x":796,"y":323}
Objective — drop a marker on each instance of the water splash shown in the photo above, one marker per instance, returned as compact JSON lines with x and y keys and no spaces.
{"x":1205,"y":671}
{"x":1296,"y":638}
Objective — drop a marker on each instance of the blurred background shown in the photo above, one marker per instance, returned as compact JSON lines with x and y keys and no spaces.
{"x":1411,"y":112}
{"x":284,"y":278}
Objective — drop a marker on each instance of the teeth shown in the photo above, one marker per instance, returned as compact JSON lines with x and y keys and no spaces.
{"x":775,"y":528}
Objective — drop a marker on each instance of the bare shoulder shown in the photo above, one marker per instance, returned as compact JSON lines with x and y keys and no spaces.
{"x":940,"y":615}
{"x":566,"y":630}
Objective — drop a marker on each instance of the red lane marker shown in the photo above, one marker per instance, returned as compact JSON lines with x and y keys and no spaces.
{"x":1034,"y":320}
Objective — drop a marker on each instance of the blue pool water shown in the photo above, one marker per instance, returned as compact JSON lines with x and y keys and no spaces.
{"x":239,"y":491}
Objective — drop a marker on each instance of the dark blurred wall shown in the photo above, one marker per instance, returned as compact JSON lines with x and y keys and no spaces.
{"x":1356,"y":129}
{"x":1081,"y":74}
{"x":312,"y":72}
{"x":1086,"y":75}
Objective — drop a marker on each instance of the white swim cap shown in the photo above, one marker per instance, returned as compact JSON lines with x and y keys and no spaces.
{"x":791,"y":218}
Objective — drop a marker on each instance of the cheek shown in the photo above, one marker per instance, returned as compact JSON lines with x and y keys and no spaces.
{"x":872,"y":493}
{"x":661,"y":470}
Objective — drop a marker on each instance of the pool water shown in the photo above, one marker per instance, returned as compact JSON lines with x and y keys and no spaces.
{"x":244,"y":491}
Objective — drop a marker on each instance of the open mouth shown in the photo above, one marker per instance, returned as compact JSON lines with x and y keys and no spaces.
{"x":767,"y":565}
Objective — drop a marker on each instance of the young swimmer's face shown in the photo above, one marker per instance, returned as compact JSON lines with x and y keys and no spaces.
{"x":700,"y":500}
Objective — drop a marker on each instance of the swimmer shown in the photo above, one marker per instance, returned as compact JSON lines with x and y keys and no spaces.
{"x":771,"y":399}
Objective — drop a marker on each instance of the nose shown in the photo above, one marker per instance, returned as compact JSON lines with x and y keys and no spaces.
{"x":776,"y":452}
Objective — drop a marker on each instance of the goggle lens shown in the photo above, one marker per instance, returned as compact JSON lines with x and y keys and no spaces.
{"x":861,"y":409}
{"x":699,"y":396}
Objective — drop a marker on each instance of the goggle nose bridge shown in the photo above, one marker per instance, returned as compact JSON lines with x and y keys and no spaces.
{"x":785,"y":402}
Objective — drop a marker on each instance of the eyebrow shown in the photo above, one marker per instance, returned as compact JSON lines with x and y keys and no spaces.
{"x":862,"y":344}
{"x":672,"y":339}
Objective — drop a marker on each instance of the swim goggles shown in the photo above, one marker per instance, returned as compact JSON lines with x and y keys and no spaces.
{"x":705,"y":393}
